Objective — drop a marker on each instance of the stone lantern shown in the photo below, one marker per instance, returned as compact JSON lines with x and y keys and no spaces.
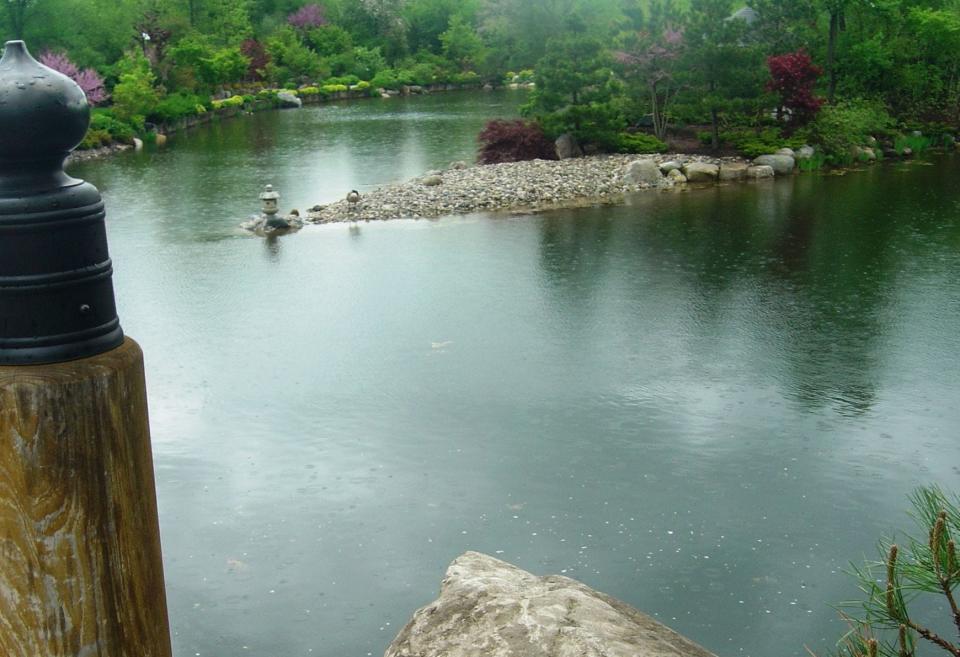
{"x":270,"y":201}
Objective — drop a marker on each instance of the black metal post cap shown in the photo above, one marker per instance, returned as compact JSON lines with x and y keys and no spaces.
{"x":56,"y":288}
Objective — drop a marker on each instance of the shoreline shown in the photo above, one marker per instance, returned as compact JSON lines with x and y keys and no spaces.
{"x":528,"y":187}
{"x":262,"y":105}
{"x":537,"y":186}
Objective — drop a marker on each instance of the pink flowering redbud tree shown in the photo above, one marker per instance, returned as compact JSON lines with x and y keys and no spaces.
{"x":308,"y":16}
{"x":87,"y":79}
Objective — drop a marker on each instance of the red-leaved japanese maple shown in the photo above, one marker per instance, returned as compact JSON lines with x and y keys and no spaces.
{"x":514,"y":141}
{"x":793,"y":76}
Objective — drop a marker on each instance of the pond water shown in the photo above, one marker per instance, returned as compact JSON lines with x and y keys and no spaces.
{"x":703,"y":403}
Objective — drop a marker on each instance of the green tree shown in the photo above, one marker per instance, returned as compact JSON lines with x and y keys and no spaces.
{"x":426,"y":20}
{"x":575,"y":87}
{"x":785,"y":25}
{"x":328,"y":40}
{"x":723,"y":68}
{"x":887,"y":621}
{"x":461,"y":44}
{"x":17,"y":13}
{"x":291,"y":60}
{"x":134,"y":94}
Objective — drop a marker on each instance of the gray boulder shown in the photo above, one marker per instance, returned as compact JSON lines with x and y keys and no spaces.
{"x":787,"y":151}
{"x":287,"y":100}
{"x":644,"y":172}
{"x":805,"y":153}
{"x":760,"y":171}
{"x":567,"y":147}
{"x":782,"y":165}
{"x":431,"y":181}
{"x":490,"y":608}
{"x":701,"y":172}
{"x":676,"y":176}
{"x":733,"y":171}
{"x":669,"y":166}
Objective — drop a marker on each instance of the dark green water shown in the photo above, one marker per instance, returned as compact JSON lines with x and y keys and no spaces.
{"x":704,"y":403}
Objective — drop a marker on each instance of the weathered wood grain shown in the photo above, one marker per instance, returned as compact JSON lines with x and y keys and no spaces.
{"x":80,"y":566}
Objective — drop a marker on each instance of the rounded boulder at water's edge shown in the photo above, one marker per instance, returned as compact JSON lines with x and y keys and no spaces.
{"x":567,"y":147}
{"x":676,"y":177}
{"x":490,"y":608}
{"x":760,"y":171}
{"x":287,"y":100}
{"x":644,"y":172}
{"x":733,"y":171}
{"x":701,"y":172}
{"x":782,"y":165}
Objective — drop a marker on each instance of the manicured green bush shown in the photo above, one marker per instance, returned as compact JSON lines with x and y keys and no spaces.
{"x":386,"y":79}
{"x":841,"y":127}
{"x":178,"y":105}
{"x":233,"y":101}
{"x":916,"y":143}
{"x":119,"y":131}
{"x":95,"y":139}
{"x":363,"y":85}
{"x":345,"y":80}
{"x":465,"y":78}
{"x":333,"y":88}
{"x":638,"y":142}
{"x":309,"y":91}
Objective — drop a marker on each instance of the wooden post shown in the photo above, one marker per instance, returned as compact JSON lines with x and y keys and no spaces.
{"x":81,"y":573}
{"x":81,"y":568}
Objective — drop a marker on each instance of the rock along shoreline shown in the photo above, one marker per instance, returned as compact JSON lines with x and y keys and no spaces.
{"x":534,"y":186}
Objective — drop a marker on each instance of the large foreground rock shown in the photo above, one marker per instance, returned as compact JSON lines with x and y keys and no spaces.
{"x":733,"y":171}
{"x":701,"y":172}
{"x":489,"y":608}
{"x":567,"y":147}
{"x":782,"y":165}
{"x":644,"y":172}
{"x":287,"y":100}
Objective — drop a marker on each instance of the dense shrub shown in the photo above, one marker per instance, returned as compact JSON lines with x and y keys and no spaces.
{"x":106,"y":129}
{"x":840,"y":128}
{"x":514,"y":141}
{"x":334,"y":88}
{"x":753,"y":143}
{"x":95,"y":139}
{"x":386,"y":79}
{"x":638,"y":142}
{"x":345,"y":80}
{"x":134,"y":96}
{"x":465,"y":78}
{"x":178,"y":105}
{"x":233,"y":101}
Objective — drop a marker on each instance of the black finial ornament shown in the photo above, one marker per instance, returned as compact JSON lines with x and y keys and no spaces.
{"x":56,"y":287}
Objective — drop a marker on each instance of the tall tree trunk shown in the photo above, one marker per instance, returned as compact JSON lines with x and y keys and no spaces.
{"x":715,"y":124}
{"x":16,"y":10}
{"x":659,"y":127}
{"x":832,"y":52}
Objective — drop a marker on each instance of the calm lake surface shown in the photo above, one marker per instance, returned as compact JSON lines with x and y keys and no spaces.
{"x":706,"y":403}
